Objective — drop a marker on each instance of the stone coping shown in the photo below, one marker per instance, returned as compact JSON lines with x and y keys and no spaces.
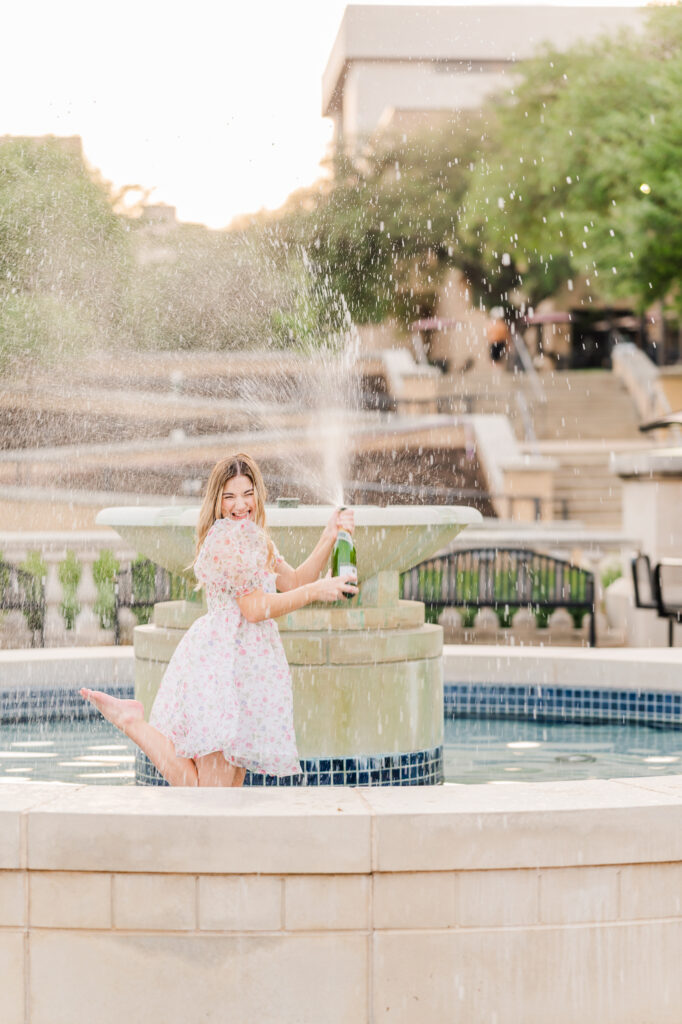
{"x":621,"y":668}
{"x":63,"y":827}
{"x":347,"y":831}
{"x":654,"y":668}
{"x":650,"y":463}
{"x":66,"y":668}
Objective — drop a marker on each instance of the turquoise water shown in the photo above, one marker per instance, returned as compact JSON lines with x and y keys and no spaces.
{"x":87,"y":753}
{"x":476,"y":750}
{"x":505,"y":750}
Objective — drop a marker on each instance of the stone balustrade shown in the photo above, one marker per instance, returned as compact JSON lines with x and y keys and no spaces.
{"x":53,"y":548}
{"x":589,"y":549}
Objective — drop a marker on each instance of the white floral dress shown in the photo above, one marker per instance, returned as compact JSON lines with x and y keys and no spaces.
{"x":228,"y":685}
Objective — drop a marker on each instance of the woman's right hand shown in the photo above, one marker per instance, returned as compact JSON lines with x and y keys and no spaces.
{"x":333,"y":588}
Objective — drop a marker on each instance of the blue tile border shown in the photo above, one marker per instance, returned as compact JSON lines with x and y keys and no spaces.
{"x":27,"y":705}
{"x":562,"y":703}
{"x":417,"y":768}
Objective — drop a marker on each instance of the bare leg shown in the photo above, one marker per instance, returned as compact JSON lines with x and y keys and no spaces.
{"x":128,"y":716}
{"x":214,"y":770}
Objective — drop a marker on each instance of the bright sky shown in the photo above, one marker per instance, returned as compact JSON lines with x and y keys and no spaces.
{"x":213,"y":104}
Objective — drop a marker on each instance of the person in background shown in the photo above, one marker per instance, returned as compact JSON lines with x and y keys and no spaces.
{"x":498,"y":337}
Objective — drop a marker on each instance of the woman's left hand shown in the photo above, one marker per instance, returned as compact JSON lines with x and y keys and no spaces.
{"x":340,"y":519}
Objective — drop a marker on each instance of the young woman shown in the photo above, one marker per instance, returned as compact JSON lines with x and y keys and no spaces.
{"x":225,"y":704}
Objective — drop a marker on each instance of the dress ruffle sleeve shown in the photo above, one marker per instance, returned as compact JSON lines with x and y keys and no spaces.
{"x":233,"y":557}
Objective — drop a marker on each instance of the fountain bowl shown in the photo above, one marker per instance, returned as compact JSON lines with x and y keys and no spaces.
{"x":388,"y":539}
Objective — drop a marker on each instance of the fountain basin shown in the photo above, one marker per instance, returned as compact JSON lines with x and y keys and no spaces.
{"x":461,"y":903}
{"x":390,"y":539}
{"x":367,"y":675}
{"x":344,"y":903}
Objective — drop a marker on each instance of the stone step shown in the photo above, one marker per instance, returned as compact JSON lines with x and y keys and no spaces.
{"x":594,"y":469}
{"x":588,"y":474}
{"x":589,"y":497}
{"x":579,"y":512}
{"x":586,"y":482}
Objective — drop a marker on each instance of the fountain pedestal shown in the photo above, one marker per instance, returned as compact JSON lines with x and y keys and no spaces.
{"x":367,"y":686}
{"x":652,"y":495}
{"x":367,"y":675}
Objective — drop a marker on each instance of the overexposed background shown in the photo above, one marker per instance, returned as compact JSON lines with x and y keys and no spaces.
{"x":215,"y":105}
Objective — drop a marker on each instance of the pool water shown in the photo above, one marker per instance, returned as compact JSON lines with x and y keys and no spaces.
{"x":84,"y":752}
{"x":511,"y":750}
{"x":476,"y":750}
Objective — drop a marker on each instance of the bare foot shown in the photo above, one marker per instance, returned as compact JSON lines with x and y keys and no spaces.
{"x":119,"y":712}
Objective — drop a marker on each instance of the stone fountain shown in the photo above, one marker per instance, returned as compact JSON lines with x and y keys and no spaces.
{"x":367,"y":675}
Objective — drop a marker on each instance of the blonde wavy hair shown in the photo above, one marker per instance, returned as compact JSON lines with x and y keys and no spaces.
{"x":211,"y":508}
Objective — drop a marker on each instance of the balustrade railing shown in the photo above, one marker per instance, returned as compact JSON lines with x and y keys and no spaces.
{"x":100,"y":613}
{"x":504,"y":579}
{"x":142,"y":585}
{"x":24,"y":592}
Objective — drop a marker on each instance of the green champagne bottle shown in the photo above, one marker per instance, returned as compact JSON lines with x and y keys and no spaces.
{"x":344,"y":559}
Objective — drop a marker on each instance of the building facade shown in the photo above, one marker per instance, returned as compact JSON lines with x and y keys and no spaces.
{"x":396,"y":67}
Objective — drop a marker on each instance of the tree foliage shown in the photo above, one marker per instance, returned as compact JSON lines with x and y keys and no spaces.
{"x":584,"y":173}
{"x":197,"y":288}
{"x":63,"y":251}
{"x":386,"y":227}
{"x":575,"y":173}
{"x":542,"y":187}
{"x":76,"y":275}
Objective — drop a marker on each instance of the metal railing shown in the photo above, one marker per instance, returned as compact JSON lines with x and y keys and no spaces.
{"x":142,"y":585}
{"x":22,"y":591}
{"x":503,"y":579}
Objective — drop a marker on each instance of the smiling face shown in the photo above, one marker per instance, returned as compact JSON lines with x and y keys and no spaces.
{"x":235,"y":490}
{"x":238,"y":500}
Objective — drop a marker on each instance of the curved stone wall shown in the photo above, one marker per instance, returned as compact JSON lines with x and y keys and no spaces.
{"x":522,"y":903}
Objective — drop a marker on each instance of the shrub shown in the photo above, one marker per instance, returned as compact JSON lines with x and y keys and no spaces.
{"x":70,"y":572}
{"x":104,"y":570}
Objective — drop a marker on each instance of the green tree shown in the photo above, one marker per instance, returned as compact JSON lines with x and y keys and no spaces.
{"x":385,"y":228}
{"x":36,"y":567}
{"x":196,"y":288}
{"x":583,"y":171}
{"x":104,"y":570}
{"x":63,"y":253}
{"x":144,"y":588}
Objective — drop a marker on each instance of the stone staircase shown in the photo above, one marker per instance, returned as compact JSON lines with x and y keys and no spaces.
{"x":585,"y":488}
{"x":586,"y":415}
{"x":586,"y":405}
{"x":580,"y":404}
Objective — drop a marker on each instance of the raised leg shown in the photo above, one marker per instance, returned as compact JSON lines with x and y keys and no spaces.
{"x":128,"y":716}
